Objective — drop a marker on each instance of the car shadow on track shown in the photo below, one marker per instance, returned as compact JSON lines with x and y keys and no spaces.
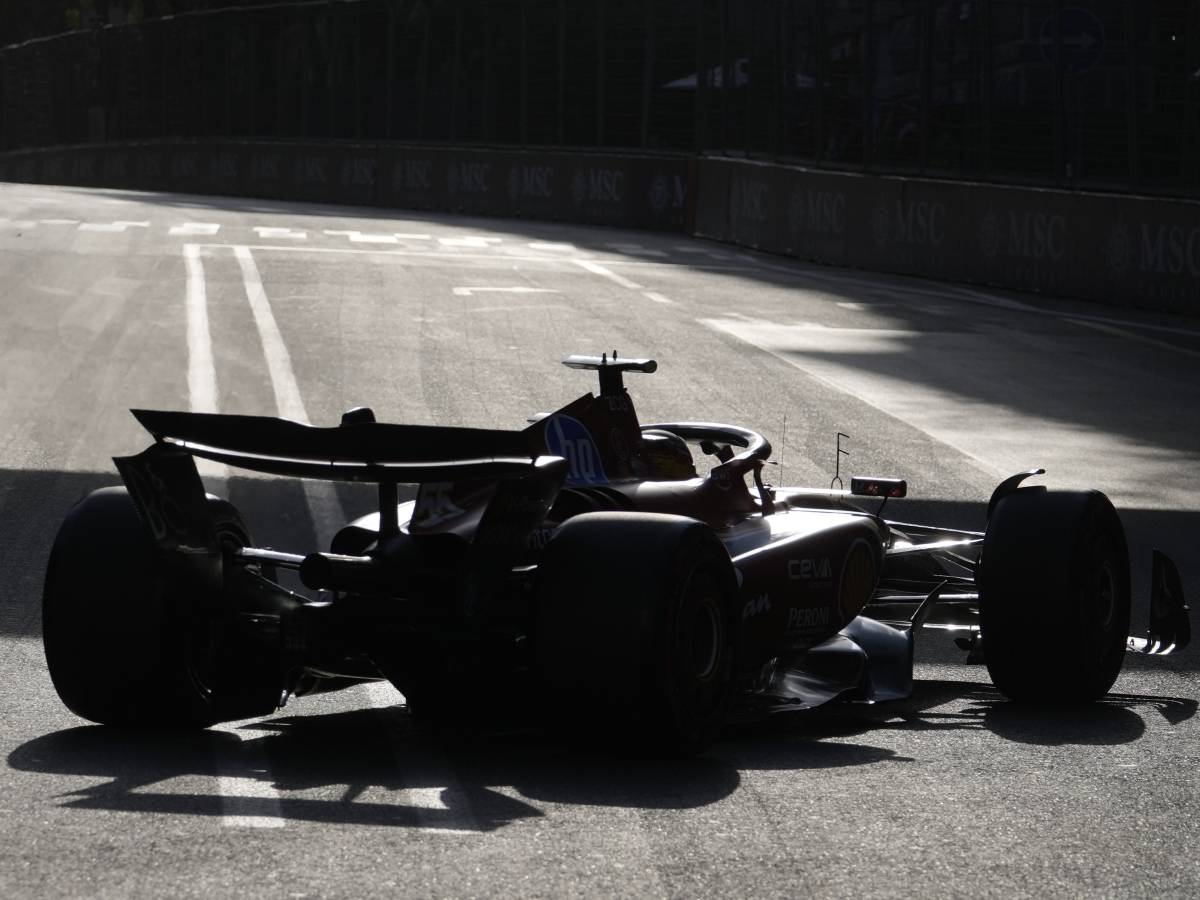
{"x":373,"y":766}
{"x":976,"y":706}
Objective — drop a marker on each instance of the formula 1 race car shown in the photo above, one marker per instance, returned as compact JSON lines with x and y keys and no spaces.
{"x":580,"y":570}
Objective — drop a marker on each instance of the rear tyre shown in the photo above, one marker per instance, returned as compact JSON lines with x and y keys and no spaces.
{"x":124,"y":644}
{"x":1054,"y":596}
{"x":636,"y":630}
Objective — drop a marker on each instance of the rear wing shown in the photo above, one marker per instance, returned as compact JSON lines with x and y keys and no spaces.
{"x":364,"y":451}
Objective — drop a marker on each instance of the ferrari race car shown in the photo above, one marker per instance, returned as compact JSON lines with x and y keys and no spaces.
{"x":580,"y":570}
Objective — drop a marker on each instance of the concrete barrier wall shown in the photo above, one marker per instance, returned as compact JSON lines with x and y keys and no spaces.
{"x":604,"y":189}
{"x":1131,"y":251}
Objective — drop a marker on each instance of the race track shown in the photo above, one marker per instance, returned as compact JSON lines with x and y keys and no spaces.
{"x":112,"y":300}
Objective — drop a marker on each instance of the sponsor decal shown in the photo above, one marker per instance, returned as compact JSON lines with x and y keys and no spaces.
{"x":817,"y":212}
{"x":567,"y":437}
{"x":756,"y":605}
{"x":913,"y":222}
{"x":749,"y":200}
{"x":466,"y":177}
{"x":1119,"y":252}
{"x":667,"y":191}
{"x":358,"y":171}
{"x":525,"y":180}
{"x":1034,"y":236}
{"x":802,"y":619}
{"x":412,"y":174}
{"x":619,"y":445}
{"x":265,"y":167}
{"x":223,"y":167}
{"x":1169,"y":250}
{"x":311,"y":169}
{"x":185,"y":165}
{"x":598,"y":185}
{"x":116,"y":165}
{"x":815,"y":568}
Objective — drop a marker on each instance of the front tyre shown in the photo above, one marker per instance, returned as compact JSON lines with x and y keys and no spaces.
{"x":1054,"y":595}
{"x":125,"y":645}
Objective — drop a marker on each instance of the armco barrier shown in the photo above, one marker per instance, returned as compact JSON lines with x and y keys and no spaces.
{"x":1132,"y":251}
{"x":604,"y":189}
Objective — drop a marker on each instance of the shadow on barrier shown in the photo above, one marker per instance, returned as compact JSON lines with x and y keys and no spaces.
{"x":355,"y":767}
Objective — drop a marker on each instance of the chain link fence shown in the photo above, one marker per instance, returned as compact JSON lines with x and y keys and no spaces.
{"x":1101,"y":94}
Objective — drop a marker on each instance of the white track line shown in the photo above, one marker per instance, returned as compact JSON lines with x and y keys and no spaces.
{"x":521,"y":289}
{"x":597,"y":269}
{"x":656,"y":297}
{"x":197,"y":229}
{"x":202,"y":374}
{"x":1130,"y":336}
{"x":248,"y":801}
{"x":326,"y":512}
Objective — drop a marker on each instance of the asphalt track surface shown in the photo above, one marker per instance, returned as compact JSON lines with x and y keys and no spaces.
{"x":311,"y":310}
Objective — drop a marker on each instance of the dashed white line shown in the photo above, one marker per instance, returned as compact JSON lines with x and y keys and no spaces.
{"x":597,"y":269}
{"x":111,"y":227}
{"x":195,"y":229}
{"x":556,"y":246}
{"x":468,"y":241}
{"x":522,"y":289}
{"x":59,"y":221}
{"x":656,"y":297}
{"x":270,"y":231}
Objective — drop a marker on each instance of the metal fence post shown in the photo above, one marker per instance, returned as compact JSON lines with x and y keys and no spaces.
{"x":647,"y":73}
{"x":600,"y":73}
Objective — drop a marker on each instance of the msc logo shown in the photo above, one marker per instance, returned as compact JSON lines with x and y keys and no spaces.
{"x":530,"y":181}
{"x":667,"y":191}
{"x":598,"y":185}
{"x":412,"y":174}
{"x":756,"y":605}
{"x":810,"y":569}
{"x":468,"y":177}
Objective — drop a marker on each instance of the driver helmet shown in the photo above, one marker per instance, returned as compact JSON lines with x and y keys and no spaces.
{"x":667,"y":455}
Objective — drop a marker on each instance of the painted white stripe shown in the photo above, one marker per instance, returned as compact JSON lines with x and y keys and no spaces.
{"x":202,"y":372}
{"x":267,"y":232}
{"x":102,"y":227}
{"x":558,"y":247}
{"x":598,"y":269}
{"x":129,"y":224}
{"x":248,"y":801}
{"x":469,"y":241}
{"x":657,"y":297}
{"x":522,"y":289}
{"x":1129,"y":335}
{"x":413,"y":237}
{"x":439,"y":802}
{"x":279,"y":361}
{"x":198,"y":229}
{"x":59,"y":221}
{"x":360,"y":238}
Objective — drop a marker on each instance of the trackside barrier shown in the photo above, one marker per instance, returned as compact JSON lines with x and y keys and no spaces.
{"x":1131,"y":251}
{"x":603,"y":189}
{"x":1125,"y":250}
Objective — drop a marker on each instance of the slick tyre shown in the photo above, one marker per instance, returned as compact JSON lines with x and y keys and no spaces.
{"x":1054,"y":596}
{"x":125,"y":645}
{"x":636,"y":630}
